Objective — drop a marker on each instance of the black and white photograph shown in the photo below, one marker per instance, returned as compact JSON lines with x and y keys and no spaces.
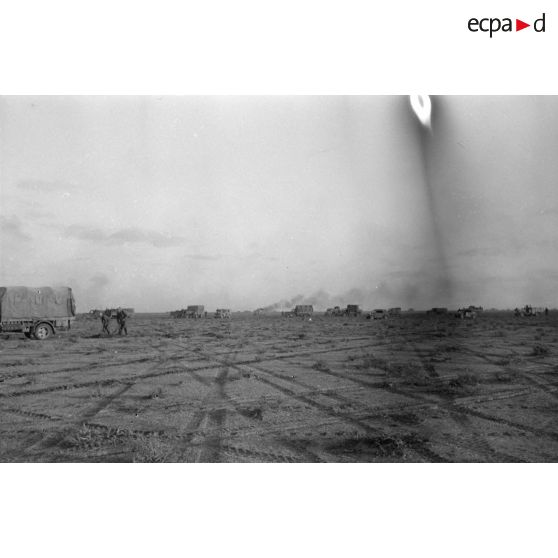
{"x":279,"y":279}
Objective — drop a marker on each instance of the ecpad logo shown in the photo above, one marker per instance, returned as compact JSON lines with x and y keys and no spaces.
{"x":494,"y":24}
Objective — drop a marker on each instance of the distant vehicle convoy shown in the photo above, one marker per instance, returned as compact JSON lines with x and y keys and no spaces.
{"x":351,"y":310}
{"x":335,"y":311}
{"x":198,"y":311}
{"x":36,"y":312}
{"x":40,"y":312}
{"x":300,"y":311}
{"x":193,"y":311}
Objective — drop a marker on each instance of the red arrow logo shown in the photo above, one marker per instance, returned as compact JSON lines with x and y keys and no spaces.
{"x":519,"y":25}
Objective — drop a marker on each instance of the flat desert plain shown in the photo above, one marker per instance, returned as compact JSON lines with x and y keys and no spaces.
{"x":271,"y":389}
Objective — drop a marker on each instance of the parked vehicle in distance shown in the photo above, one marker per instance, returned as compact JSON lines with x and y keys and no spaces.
{"x":303,"y":310}
{"x":353,"y":310}
{"x":530,"y":311}
{"x":223,"y":313}
{"x":36,"y":312}
{"x":466,"y":314}
{"x":335,"y":311}
{"x":378,"y":314}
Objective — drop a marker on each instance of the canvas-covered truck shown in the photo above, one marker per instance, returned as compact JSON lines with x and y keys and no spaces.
{"x":195,"y":311}
{"x":353,"y":310}
{"x":223,"y":313}
{"x":303,"y":310}
{"x":37,"y":312}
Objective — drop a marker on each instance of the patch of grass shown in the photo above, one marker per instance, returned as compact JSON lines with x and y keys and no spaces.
{"x":466,"y":379}
{"x":97,"y":394}
{"x":504,"y":377}
{"x":463,"y":384}
{"x":252,"y":413}
{"x":442,"y":334}
{"x":411,"y":372}
{"x":505,"y":361}
{"x":540,"y":350}
{"x":31,"y":380}
{"x":379,"y":446}
{"x":88,"y":437}
{"x":151,"y":449}
{"x":370,"y":361}
{"x":448,"y":348}
{"x":321,"y":366}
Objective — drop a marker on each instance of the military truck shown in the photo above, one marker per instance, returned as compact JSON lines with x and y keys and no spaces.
{"x":335,"y":311}
{"x":378,"y":314}
{"x":353,"y":310}
{"x":303,"y":310}
{"x":223,"y":313}
{"x":36,"y":312}
{"x":466,"y":314}
{"x":195,"y":311}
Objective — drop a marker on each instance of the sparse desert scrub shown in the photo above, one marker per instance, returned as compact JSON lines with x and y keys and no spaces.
{"x":397,"y":383}
{"x":321,"y":366}
{"x":540,"y":350}
{"x":151,"y":449}
{"x":503,"y":377}
{"x":370,"y":361}
{"x":88,"y":437}
{"x":411,"y":372}
{"x":450,"y":348}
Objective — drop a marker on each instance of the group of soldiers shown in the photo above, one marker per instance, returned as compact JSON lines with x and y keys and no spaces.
{"x":121,"y":317}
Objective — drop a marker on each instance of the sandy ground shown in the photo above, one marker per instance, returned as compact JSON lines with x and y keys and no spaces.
{"x":273,"y":389}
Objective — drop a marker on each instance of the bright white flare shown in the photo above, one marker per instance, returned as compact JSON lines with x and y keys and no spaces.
{"x":422,"y":106}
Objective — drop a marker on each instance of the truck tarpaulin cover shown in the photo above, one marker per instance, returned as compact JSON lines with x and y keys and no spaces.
{"x":41,"y":302}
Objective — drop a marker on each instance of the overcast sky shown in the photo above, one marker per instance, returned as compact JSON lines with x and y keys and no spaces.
{"x":242,"y":202}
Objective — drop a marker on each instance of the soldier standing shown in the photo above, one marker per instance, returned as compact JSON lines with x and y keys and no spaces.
{"x":105,"y":320}
{"x":121,"y":319}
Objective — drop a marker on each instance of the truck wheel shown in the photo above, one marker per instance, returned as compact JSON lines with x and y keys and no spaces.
{"x":42,"y":331}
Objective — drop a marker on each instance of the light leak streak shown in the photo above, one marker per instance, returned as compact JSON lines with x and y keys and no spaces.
{"x":422,"y":107}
